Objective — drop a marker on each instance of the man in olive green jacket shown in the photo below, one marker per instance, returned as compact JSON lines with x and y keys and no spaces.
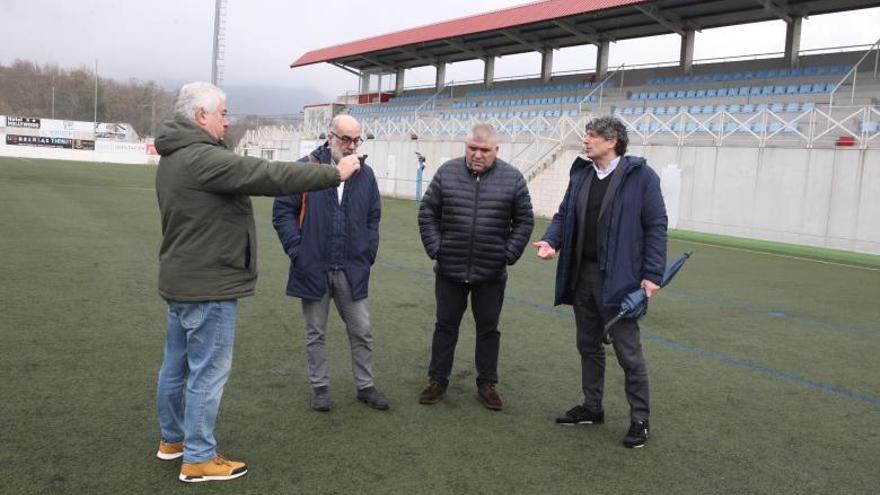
{"x":207,"y":260}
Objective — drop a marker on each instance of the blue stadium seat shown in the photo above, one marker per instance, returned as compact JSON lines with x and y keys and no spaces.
{"x":680,"y":93}
{"x":701,"y":93}
{"x":775,"y":127}
{"x":767,"y":90}
{"x":711,"y":93}
{"x":730,"y":126}
{"x":627,"y":111}
{"x":661,"y":111}
{"x":761,"y":107}
{"x":721,"y":92}
{"x":708,"y":109}
{"x":695,"y":110}
{"x":777,"y":107}
{"x":870,"y":127}
{"x":754,"y":91}
{"x":779,"y":90}
{"x":748,"y":108}
{"x":721,"y":108}
{"x":691,"y":93}
{"x":791,"y":89}
{"x":792,"y":107}
{"x":672,"y":110}
{"x":638,"y":111}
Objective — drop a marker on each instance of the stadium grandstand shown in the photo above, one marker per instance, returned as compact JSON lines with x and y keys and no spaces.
{"x":774,"y":146}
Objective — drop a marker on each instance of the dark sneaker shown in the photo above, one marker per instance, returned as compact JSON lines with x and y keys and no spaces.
{"x":637,"y":435}
{"x":580,"y":415}
{"x":371,"y":397}
{"x":489,"y":397}
{"x":321,"y":399}
{"x":433,"y":393}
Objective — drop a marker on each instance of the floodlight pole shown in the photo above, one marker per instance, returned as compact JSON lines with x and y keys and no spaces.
{"x":96,"y":98}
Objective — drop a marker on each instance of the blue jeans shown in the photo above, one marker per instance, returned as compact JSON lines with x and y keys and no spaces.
{"x":198,"y":357}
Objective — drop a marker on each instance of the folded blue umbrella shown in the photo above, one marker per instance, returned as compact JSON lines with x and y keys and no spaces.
{"x":635,"y":304}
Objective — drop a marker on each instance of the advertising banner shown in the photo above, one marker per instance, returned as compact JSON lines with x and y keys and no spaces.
{"x":23,"y":122}
{"x":50,"y":142}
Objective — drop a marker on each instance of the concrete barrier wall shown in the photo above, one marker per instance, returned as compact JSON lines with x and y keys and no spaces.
{"x":107,"y":156}
{"x":825,"y":198}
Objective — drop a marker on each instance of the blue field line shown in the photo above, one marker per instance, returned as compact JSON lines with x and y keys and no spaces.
{"x":774,"y":313}
{"x":782,"y":375}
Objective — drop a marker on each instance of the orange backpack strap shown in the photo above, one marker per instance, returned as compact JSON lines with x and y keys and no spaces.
{"x":305,"y":195}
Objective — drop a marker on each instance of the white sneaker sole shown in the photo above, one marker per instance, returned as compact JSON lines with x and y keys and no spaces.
{"x":168,"y":457}
{"x":188,"y":479}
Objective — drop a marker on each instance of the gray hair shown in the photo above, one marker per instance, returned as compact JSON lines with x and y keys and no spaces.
{"x":610,"y":128}
{"x":483,"y":133}
{"x":196,"y":95}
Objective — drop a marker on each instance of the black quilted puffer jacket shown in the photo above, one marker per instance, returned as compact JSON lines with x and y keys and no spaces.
{"x":475,"y":225}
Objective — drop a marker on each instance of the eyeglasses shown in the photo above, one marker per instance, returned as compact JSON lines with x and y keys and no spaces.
{"x":347,"y":141}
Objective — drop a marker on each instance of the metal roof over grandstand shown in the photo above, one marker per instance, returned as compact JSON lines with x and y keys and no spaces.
{"x":555,"y":24}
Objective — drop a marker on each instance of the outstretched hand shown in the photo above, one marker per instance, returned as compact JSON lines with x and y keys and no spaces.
{"x":545,"y":250}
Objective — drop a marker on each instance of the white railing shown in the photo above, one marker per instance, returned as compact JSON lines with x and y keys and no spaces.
{"x":853,"y":73}
{"x":817,"y":127}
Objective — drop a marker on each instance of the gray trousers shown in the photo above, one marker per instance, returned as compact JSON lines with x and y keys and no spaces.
{"x":356,"y":315}
{"x":590,"y":317}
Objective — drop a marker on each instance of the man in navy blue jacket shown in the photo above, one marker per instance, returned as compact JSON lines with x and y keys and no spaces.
{"x":610,"y":231}
{"x":332,"y":237}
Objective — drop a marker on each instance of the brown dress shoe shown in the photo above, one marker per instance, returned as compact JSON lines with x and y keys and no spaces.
{"x":433,"y":393}
{"x":489,"y":397}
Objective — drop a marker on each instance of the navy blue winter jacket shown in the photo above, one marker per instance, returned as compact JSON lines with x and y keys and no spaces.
{"x":634,"y":243}
{"x":308,"y":248}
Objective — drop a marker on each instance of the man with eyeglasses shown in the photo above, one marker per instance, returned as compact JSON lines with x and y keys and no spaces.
{"x":332,"y":237}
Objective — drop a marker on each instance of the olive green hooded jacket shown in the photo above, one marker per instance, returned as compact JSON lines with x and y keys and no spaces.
{"x":209,"y":240}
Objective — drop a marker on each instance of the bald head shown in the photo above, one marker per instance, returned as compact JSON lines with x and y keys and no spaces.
{"x":345,"y":136}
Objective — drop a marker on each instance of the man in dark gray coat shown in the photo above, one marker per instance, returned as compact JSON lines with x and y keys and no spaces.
{"x":475,"y":219}
{"x":207,"y":260}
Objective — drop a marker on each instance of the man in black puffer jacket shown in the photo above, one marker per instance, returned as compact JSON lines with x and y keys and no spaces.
{"x":475,"y":219}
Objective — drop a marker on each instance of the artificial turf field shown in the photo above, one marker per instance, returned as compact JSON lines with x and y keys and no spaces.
{"x":764,"y":367}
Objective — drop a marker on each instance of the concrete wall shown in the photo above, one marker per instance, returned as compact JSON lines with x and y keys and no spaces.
{"x":825,"y":198}
{"x":821,"y":197}
{"x":140,"y":158}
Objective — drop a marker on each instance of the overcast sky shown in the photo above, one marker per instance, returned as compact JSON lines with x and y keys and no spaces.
{"x":170,"y":41}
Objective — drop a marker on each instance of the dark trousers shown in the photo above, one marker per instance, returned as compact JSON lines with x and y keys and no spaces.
{"x":486,"y":301}
{"x":590,"y":317}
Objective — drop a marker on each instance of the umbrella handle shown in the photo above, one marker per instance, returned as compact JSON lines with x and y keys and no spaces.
{"x":606,"y":335}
